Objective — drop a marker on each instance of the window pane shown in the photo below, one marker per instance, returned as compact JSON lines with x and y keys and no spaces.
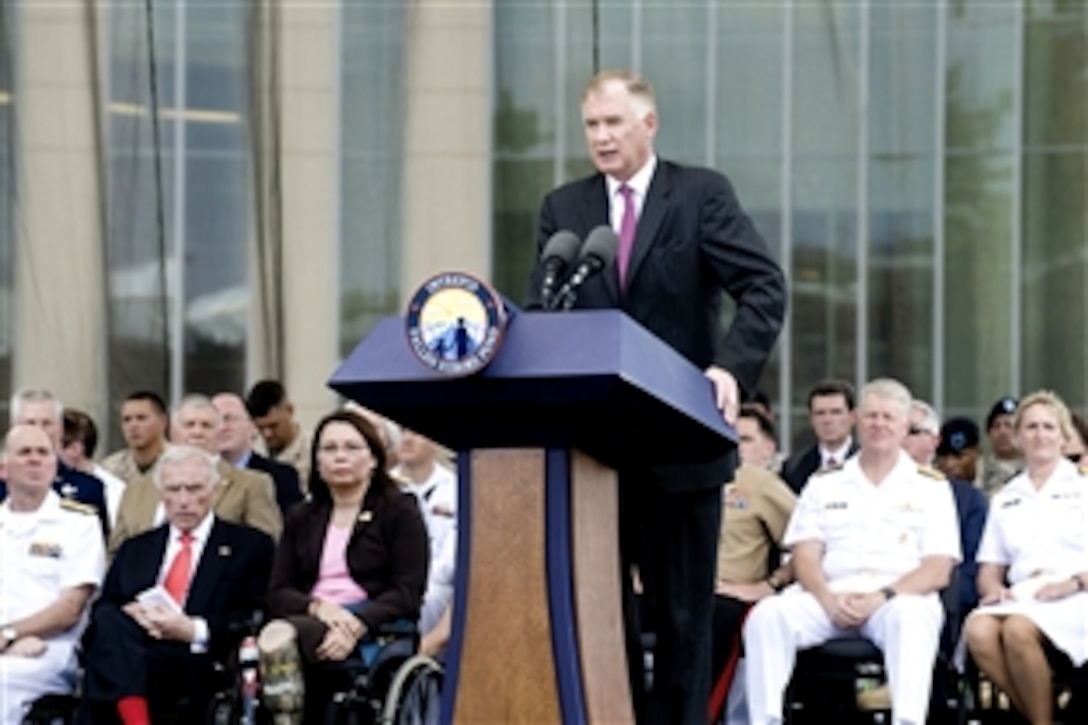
{"x":980,"y":120}
{"x":1055,"y":257}
{"x":902,"y":148}
{"x":217,"y":199}
{"x":372,"y":114}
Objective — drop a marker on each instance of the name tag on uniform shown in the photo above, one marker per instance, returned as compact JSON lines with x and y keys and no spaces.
{"x":735,"y":498}
{"x":48,"y":550}
{"x":1010,"y":504}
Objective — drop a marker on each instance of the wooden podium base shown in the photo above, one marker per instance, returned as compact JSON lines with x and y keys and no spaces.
{"x":538,"y":624}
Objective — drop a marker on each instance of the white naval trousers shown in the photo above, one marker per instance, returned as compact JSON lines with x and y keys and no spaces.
{"x":25,"y":679}
{"x":907,"y":630}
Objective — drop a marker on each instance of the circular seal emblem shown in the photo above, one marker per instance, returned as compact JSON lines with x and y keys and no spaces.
{"x":455,"y":324}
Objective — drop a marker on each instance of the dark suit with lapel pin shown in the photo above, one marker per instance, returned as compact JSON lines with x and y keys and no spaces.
{"x":693,"y":243}
{"x":227,"y":588}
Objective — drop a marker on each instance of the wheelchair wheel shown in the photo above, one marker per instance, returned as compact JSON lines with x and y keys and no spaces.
{"x":415,"y":694}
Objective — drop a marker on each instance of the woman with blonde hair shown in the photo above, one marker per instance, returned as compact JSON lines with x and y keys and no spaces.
{"x":1033,"y":565}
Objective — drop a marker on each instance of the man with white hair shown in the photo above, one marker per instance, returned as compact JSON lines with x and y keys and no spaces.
{"x":42,"y":409}
{"x":244,"y":497}
{"x":177,"y":600}
{"x":923,"y":441}
{"x":873,"y":543}
{"x":52,"y":558}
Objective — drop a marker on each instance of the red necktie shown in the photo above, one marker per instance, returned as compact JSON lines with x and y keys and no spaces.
{"x":176,"y":582}
{"x":627,"y":233}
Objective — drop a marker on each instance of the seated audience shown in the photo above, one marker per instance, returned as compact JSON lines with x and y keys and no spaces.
{"x":926,"y":440}
{"x":42,"y":409}
{"x":873,"y":543}
{"x":432,"y":482}
{"x":77,"y":452}
{"x":1004,"y":459}
{"x":242,"y":497}
{"x":177,"y":599}
{"x":274,"y":415}
{"x":236,"y":437}
{"x":1033,"y":565}
{"x":352,"y":558}
{"x":831,"y":413}
{"x":435,"y":617}
{"x":52,"y":558}
{"x":756,"y":506}
{"x":144,"y":421}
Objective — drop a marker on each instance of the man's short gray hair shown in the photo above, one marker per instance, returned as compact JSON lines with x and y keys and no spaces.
{"x":888,"y":389}
{"x":931,"y":422}
{"x":34,"y":395}
{"x":197,"y":400}
{"x":177,"y":454}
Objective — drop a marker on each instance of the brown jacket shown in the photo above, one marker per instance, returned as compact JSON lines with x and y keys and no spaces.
{"x":242,"y":497}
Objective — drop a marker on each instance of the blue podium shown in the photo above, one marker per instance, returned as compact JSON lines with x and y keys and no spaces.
{"x":538,"y":631}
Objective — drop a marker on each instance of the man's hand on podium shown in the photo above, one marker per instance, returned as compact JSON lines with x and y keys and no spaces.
{"x":726,"y":393}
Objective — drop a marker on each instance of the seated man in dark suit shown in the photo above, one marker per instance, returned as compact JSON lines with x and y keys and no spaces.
{"x":177,"y":599}
{"x":40,"y":408}
{"x":831,"y":413}
{"x":236,"y":446}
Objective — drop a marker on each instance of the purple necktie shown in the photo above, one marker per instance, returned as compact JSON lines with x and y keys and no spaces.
{"x":627,"y":233}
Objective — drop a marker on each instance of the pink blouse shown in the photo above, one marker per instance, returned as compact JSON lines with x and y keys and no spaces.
{"x":334,"y":582}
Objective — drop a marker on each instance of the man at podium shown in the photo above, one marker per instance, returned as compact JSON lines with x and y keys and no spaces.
{"x":684,"y":241}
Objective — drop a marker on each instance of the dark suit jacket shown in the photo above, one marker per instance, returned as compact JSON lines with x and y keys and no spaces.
{"x":77,"y":486}
{"x":693,"y":243}
{"x":386,"y":554}
{"x":228,"y":585}
{"x":972,"y":507}
{"x":285,"y":478}
{"x":801,"y":465}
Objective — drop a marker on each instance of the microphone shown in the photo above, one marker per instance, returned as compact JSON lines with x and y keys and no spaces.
{"x":597,"y":253}
{"x":559,"y":253}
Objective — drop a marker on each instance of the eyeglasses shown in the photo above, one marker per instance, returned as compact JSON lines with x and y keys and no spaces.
{"x":1074,"y":457}
{"x":918,"y":430}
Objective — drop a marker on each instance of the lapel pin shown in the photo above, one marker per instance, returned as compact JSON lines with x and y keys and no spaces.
{"x":224,"y":550}
{"x":366,"y":516}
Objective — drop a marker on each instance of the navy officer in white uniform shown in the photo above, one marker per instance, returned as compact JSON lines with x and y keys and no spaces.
{"x":1033,"y":564}
{"x":873,"y":543}
{"x":52,"y":558}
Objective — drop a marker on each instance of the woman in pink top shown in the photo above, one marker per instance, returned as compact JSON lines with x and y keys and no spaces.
{"x":355,"y":555}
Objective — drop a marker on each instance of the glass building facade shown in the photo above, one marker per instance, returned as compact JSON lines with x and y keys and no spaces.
{"x":919,"y":169}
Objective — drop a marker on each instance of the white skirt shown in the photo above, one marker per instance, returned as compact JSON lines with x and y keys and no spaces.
{"x":1063,"y":621}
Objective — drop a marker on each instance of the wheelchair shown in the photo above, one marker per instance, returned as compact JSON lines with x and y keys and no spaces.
{"x":386,"y":683}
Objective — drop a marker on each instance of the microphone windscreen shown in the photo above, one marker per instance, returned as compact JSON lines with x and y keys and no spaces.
{"x":602,"y":243}
{"x":563,"y":245}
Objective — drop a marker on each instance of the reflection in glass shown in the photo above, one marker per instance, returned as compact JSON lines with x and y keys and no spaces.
{"x":1055,"y":253}
{"x":374,"y":34}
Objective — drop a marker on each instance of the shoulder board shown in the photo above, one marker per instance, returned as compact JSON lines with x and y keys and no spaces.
{"x":931,"y":472}
{"x":1083,"y":470}
{"x":82,"y":508}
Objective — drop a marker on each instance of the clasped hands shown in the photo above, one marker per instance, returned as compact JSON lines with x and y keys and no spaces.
{"x":161,"y":623}
{"x":345,"y":630}
{"x":850,"y":610}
